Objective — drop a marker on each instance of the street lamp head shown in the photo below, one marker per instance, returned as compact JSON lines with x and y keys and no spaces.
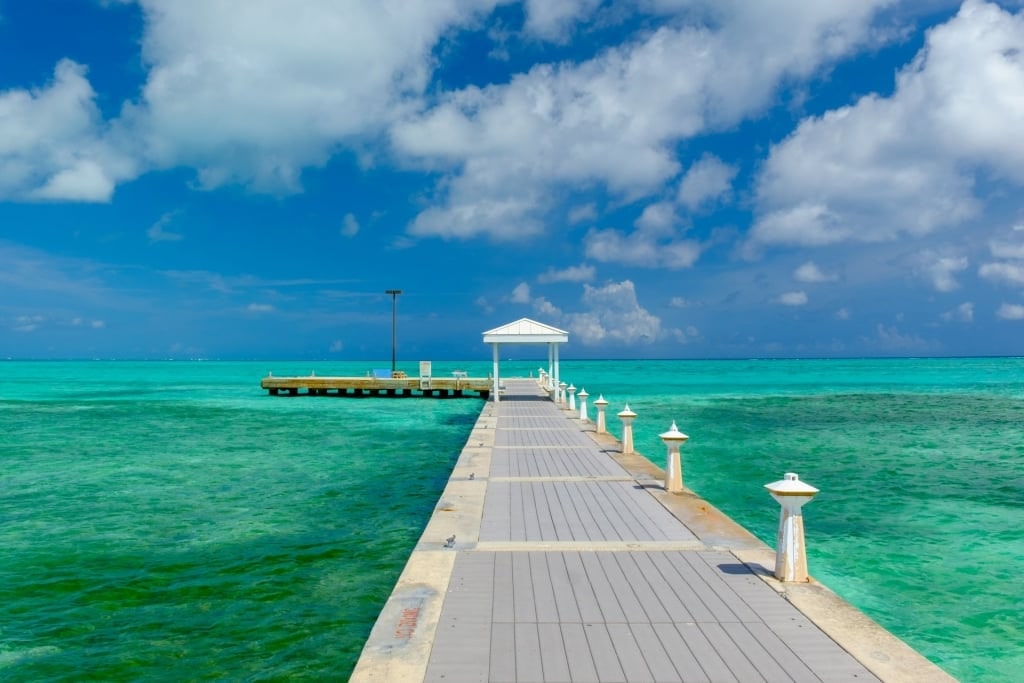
{"x":392,"y":292}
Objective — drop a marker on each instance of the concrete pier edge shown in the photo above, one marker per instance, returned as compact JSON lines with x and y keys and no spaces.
{"x":399,"y":645}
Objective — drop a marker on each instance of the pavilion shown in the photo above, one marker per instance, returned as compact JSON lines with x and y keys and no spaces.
{"x":526,"y":331}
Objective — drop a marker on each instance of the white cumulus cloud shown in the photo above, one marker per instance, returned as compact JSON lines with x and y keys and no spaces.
{"x":581,"y":273}
{"x":253,"y":91}
{"x":810,"y":272}
{"x":553,"y":19}
{"x":584,"y":212}
{"x":612,"y":314}
{"x":615,"y":120}
{"x":349,"y":225}
{"x":941,"y":270}
{"x":679,"y":302}
{"x":641,"y":248}
{"x":708,"y":179}
{"x":905,"y":164}
{"x":1010,"y":312}
{"x":793,"y":298}
{"x":158,"y":232}
{"x":521,"y":294}
{"x":52,"y":142}
{"x":963,"y":313}
{"x":1003,"y":273}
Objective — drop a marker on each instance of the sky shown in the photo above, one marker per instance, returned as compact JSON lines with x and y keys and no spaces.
{"x":230,"y":179}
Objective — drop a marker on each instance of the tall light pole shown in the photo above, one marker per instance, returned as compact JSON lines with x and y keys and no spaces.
{"x":394,"y":309}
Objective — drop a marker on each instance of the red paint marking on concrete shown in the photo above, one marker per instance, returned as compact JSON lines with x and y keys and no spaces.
{"x":407,"y":623}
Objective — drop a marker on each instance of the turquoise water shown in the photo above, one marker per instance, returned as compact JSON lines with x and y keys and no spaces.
{"x":169,"y":521}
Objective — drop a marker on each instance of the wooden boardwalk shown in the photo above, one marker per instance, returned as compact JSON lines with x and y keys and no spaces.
{"x":404,"y":387}
{"x":575,"y":570}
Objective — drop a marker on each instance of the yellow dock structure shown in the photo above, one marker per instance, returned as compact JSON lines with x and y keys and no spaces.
{"x":435,"y":387}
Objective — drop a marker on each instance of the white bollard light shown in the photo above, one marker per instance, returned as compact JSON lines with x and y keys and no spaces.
{"x":790,"y":551}
{"x":601,"y":404}
{"x":673,"y":439}
{"x":572,"y":397}
{"x":583,"y":406}
{"x":560,"y":390}
{"x":627,"y":416}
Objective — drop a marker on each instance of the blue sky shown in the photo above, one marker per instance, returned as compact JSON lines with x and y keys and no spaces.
{"x":662,"y":178}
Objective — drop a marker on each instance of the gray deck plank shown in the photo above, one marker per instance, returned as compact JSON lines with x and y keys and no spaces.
{"x":658,"y":660}
{"x":687,"y":594}
{"x":624,"y":593}
{"x":553,"y":659}
{"x":652,"y":516}
{"x":495,"y":524}
{"x":619,"y":514}
{"x":682,"y":658}
{"x":563,"y":510}
{"x":611,"y":611}
{"x":788,"y":661}
{"x":528,"y":657}
{"x":631,"y":657}
{"x":759,"y":657}
{"x":582,"y":588}
{"x":573,"y":523}
{"x":547,"y":511}
{"x":582,"y":664}
{"x":666,"y":594}
{"x":543,"y":592}
{"x":606,"y":661}
{"x":736,"y":659}
{"x":517,"y":520}
{"x":587,"y":528}
{"x":562,"y":589}
{"x":503,"y":654}
{"x":464,"y":629}
{"x":653,"y":609}
{"x":692,"y":579}
{"x":523,"y":601}
{"x":504,"y":589}
{"x":603,"y":528}
{"x":721,"y":583}
{"x":707,"y":656}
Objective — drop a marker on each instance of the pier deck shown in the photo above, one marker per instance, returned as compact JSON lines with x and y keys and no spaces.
{"x":554,"y":557}
{"x":437,"y":387}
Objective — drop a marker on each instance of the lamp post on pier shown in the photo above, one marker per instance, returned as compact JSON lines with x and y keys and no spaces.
{"x":394,"y":313}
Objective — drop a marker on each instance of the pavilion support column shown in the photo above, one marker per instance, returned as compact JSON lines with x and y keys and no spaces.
{"x":551,"y":364}
{"x":551,"y":372}
{"x":558,"y":376}
{"x":497,"y":383}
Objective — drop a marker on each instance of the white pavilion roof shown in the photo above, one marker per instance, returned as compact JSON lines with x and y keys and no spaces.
{"x":526,"y":331}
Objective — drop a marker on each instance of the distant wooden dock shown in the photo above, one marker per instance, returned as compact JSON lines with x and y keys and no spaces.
{"x":553,"y":556}
{"x":435,"y":387}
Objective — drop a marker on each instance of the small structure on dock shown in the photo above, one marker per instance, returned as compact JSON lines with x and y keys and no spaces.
{"x":526,"y":331}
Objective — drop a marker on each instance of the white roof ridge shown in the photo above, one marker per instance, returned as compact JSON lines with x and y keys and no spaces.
{"x":525,"y":331}
{"x":525,"y":326}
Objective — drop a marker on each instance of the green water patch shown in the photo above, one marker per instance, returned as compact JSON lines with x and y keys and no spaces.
{"x":184,"y":540}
